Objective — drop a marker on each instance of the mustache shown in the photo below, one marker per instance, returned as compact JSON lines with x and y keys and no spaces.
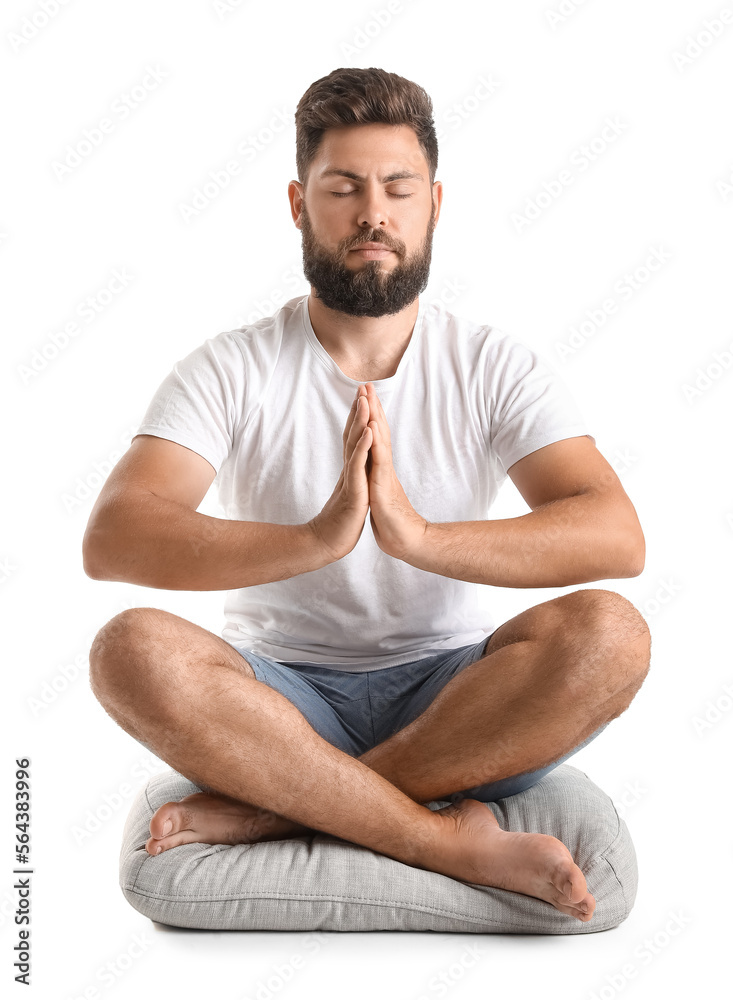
{"x":377,"y":238}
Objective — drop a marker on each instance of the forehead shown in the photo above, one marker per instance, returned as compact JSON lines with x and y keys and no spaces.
{"x":370,"y":149}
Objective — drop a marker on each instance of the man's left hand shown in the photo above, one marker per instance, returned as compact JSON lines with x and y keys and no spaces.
{"x":397,"y":527}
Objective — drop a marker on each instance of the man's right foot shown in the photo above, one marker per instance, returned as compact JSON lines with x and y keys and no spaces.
{"x":473,"y":848}
{"x":469,"y":846}
{"x":207,"y":818}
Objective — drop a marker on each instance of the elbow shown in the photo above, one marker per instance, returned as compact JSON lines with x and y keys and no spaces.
{"x":91,"y":557}
{"x":635,"y":556}
{"x":90,"y":566}
{"x":628,"y":543}
{"x":635,"y":568}
{"x":97,"y":568}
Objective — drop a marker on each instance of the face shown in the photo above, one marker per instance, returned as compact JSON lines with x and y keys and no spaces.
{"x":353,"y":196}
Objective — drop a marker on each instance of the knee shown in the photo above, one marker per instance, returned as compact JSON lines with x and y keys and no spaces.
{"x":606,"y":617}
{"x":608,"y":629}
{"x":118,"y":648}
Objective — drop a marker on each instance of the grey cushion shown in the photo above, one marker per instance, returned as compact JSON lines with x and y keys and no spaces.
{"x":320,"y":882}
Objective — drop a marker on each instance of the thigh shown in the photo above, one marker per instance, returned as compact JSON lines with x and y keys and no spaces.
{"x":321,"y":695}
{"x":505,"y":787}
{"x":147,"y":666}
{"x":142,"y":651}
{"x":575,"y":619}
{"x":533,"y":623}
{"x":398,"y":695}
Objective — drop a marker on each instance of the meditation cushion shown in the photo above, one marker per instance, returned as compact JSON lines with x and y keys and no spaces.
{"x":320,"y":882}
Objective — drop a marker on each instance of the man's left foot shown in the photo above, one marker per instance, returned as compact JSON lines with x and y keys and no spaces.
{"x":473,"y":847}
{"x":206,"y":818}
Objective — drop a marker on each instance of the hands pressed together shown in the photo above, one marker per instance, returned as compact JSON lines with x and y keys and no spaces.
{"x":368,"y":482}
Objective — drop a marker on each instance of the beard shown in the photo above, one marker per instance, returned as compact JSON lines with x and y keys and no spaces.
{"x":371,"y":289}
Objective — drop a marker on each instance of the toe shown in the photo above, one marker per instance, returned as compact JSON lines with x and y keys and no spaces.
{"x":569,"y":882}
{"x":154,"y":846}
{"x":582,"y":908}
{"x":576,"y":911}
{"x":569,"y":891}
{"x":158,"y":846}
{"x":588,"y":905}
{"x":163,"y":822}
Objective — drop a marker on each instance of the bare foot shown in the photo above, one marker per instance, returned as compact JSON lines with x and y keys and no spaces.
{"x":205,"y":818}
{"x":471,"y":846}
{"x":477,"y":850}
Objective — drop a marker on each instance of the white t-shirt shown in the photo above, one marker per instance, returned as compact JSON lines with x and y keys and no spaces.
{"x":266,"y":405}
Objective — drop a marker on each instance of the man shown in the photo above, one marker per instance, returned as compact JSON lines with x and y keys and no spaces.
{"x":357,"y":678}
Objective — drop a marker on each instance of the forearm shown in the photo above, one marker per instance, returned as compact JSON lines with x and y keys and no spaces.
{"x":154,"y":542}
{"x":574,"y":540}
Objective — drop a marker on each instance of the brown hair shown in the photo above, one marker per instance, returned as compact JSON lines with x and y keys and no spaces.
{"x":362,"y":97}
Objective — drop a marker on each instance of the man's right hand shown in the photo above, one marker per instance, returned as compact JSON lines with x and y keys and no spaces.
{"x":339,"y":525}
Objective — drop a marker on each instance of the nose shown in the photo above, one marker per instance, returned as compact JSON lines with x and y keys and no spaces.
{"x":373,"y":209}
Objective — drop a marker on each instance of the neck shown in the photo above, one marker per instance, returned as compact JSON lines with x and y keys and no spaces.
{"x":369,"y":341}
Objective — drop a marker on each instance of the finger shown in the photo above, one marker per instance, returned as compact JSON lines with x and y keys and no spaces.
{"x":371,"y":398}
{"x":357,"y":463}
{"x":354,"y":404}
{"x":357,"y":425}
{"x":381,"y":420}
{"x":352,"y":411}
{"x":361,"y":441}
{"x":375,"y":404}
{"x":378,"y":408}
{"x":377,"y":441}
{"x":350,"y":420}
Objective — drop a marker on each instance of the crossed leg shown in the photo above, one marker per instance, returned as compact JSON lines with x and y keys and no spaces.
{"x":549,"y":678}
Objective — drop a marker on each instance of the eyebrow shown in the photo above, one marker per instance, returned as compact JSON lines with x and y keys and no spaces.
{"x":400,"y":175}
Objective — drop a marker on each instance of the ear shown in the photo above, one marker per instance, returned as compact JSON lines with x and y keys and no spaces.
{"x":295,"y":195}
{"x":438,"y":199}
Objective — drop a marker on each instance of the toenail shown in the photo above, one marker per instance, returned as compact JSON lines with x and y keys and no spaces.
{"x":167,"y":826}
{"x":158,"y":850}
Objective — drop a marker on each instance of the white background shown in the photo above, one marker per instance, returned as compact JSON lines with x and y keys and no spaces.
{"x":653,"y":379}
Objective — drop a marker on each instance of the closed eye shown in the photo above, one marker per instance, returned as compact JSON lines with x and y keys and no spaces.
{"x":345,"y":194}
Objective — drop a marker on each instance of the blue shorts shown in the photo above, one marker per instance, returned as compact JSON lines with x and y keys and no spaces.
{"x":357,"y":711}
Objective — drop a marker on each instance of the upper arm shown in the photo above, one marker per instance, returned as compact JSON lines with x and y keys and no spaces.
{"x":155,"y":466}
{"x":572,"y":467}
{"x":563,"y":469}
{"x":165,"y":468}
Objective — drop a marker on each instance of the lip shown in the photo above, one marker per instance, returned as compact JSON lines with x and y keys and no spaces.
{"x":372,"y":252}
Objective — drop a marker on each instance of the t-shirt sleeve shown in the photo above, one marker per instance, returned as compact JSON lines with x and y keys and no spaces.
{"x":531,"y":406}
{"x":199,"y":401}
